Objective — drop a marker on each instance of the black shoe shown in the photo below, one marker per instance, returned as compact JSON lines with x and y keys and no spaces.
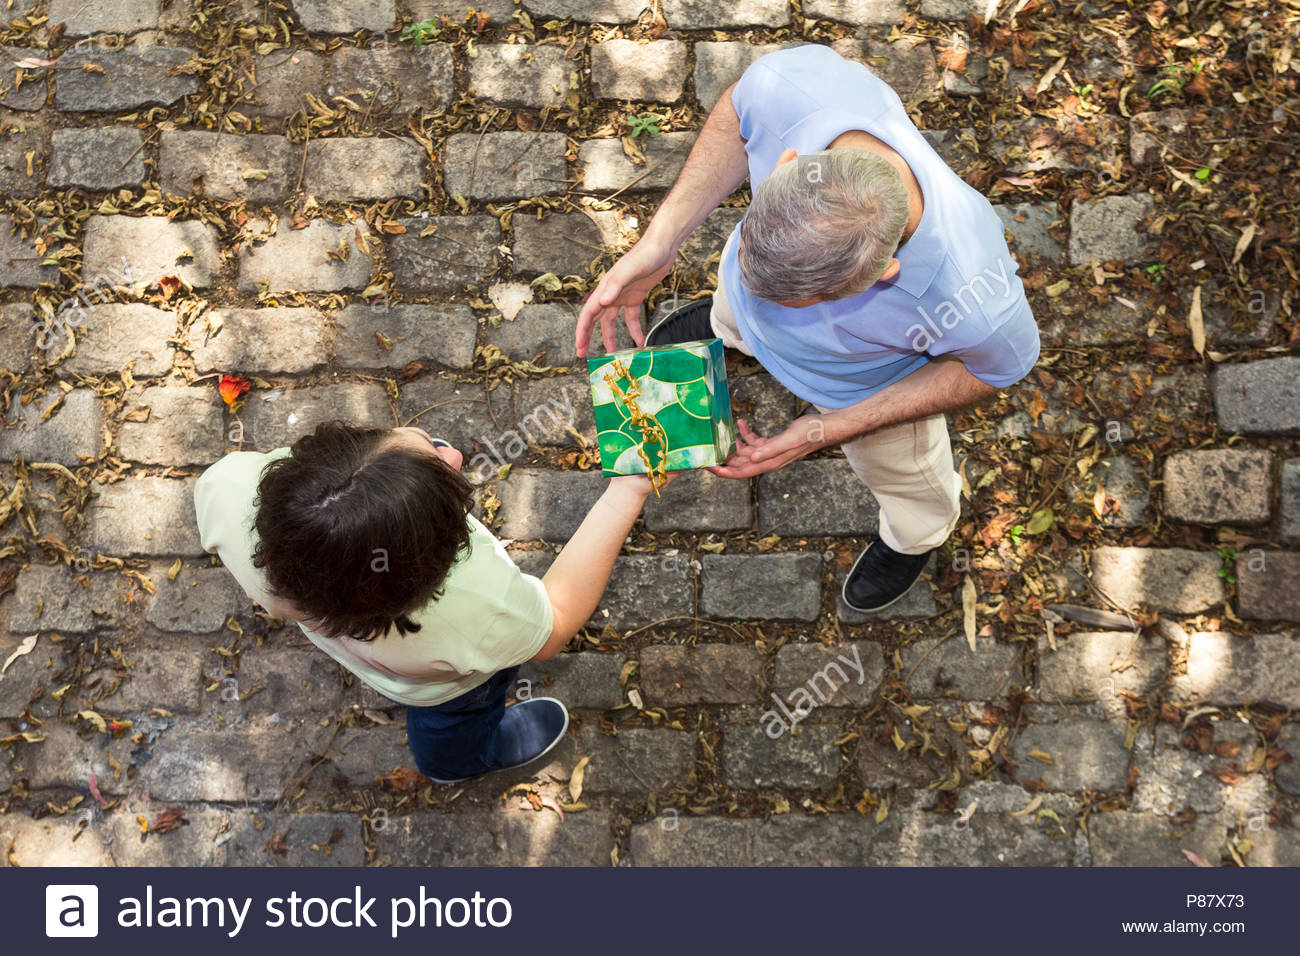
{"x":881,"y":576}
{"x":687,"y":323}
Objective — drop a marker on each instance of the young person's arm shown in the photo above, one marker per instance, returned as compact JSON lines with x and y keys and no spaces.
{"x":577,"y":579}
{"x":715,"y":167}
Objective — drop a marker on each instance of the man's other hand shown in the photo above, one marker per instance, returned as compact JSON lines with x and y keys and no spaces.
{"x":755,"y":455}
{"x":624,"y":287}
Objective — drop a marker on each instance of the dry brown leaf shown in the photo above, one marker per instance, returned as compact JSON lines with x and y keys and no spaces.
{"x":968,"y":598}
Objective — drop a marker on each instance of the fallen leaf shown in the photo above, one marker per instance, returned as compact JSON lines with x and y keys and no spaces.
{"x":1041,"y":757}
{"x":1243,"y":243}
{"x":576,"y":778}
{"x":24,"y":648}
{"x":968,"y":597}
{"x":1196,"y":322}
{"x":1195,"y":859}
{"x":404,"y":779}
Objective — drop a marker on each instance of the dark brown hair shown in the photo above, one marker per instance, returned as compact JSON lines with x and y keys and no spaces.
{"x":358,"y":532}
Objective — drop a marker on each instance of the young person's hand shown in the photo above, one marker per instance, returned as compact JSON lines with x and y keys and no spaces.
{"x":640,"y":484}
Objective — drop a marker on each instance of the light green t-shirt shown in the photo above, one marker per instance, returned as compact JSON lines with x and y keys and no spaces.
{"x":490,"y":615}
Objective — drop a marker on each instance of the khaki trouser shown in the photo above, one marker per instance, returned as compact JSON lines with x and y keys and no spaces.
{"x":907,"y":467}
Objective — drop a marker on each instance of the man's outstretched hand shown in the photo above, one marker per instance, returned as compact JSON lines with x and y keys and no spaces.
{"x":624,"y":287}
{"x":755,"y":455}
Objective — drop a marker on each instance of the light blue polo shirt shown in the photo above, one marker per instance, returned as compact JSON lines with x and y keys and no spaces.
{"x":957,"y":292}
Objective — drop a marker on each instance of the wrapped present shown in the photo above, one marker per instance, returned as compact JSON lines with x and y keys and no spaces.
{"x":662,"y":409}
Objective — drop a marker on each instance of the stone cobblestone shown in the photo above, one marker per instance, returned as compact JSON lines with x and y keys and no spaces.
{"x":1225,"y":669}
{"x":818,"y":497}
{"x":114,"y":16}
{"x":20,"y":264}
{"x":261,"y":340}
{"x":309,"y":259}
{"x":672,"y":675}
{"x":1123,"y":838}
{"x":653,"y":71}
{"x":111,"y":336}
{"x":252,"y":761}
{"x":504,"y":165}
{"x":856,"y":12}
{"x":93,"y":79}
{"x":465,"y":415}
{"x":562,"y":243}
{"x":935,"y":668}
{"x":546,"y":505}
{"x":162,"y":672}
{"x":515,"y":75}
{"x":1289,"y":530}
{"x":69,"y":436}
{"x":443,"y":253}
{"x":185,"y":426}
{"x":906,"y":65}
{"x":396,"y":79}
{"x":1088,"y":666}
{"x":259,"y":168}
{"x":1072,"y":754}
{"x":805,"y":758}
{"x":1259,"y":398}
{"x":1174,"y":579}
{"x":31,"y":94}
{"x":284,"y":77}
{"x":579,"y":680}
{"x":285,"y":678}
{"x":394,"y":337}
{"x":53,"y":841}
{"x":365,"y":168}
{"x":606,"y":167}
{"x":1104,"y":229}
{"x":589,"y":11}
{"x":95,"y":158}
{"x":831,"y":673}
{"x":57,"y":598}
{"x":1219,"y":486}
{"x":761,"y":586}
{"x":721,"y":14}
{"x":197,"y":601}
{"x":503,"y":838}
{"x":540,"y":332}
{"x":145,"y":516}
{"x":699,"y":841}
{"x":1027,"y":224}
{"x":151,"y":247}
{"x":17,"y":336}
{"x":635,"y":760}
{"x":700,"y":501}
{"x":346,"y":16}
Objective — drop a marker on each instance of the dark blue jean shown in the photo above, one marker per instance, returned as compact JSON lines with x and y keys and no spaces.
{"x":454,"y":739}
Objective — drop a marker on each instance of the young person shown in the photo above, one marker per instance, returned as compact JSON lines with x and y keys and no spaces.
{"x":364,"y":538}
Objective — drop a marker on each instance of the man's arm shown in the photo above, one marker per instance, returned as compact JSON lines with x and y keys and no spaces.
{"x":941,"y":385}
{"x":715,"y":166}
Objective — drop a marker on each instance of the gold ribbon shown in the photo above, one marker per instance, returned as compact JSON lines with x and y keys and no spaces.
{"x":647,"y":425}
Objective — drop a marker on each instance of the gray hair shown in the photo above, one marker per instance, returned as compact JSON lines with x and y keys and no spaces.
{"x":824,"y":225}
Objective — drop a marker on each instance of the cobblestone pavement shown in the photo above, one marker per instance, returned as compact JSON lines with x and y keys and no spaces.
{"x":389,"y":232}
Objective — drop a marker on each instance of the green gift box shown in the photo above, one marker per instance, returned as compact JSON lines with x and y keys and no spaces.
{"x":668,"y":403}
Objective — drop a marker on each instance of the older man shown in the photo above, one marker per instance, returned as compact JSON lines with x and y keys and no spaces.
{"x":866,"y":276}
